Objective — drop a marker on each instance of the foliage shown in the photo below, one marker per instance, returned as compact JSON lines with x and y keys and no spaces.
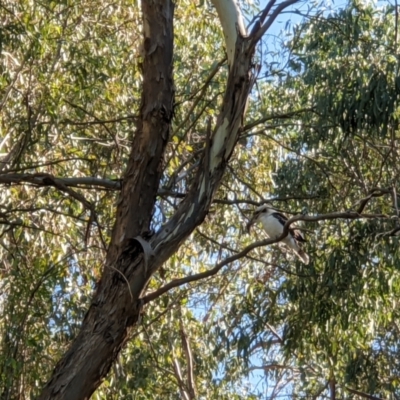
{"x":320,"y":135}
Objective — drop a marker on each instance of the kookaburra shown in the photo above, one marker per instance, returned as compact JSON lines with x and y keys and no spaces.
{"x":273,"y":222}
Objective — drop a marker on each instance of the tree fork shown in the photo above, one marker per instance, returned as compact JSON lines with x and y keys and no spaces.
{"x":131,"y":260}
{"x":115,"y":306}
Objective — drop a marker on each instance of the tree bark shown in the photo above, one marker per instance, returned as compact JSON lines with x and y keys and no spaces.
{"x":133,"y":256}
{"x":115,"y":305}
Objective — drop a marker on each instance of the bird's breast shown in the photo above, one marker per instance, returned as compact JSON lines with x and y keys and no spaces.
{"x":272,"y":226}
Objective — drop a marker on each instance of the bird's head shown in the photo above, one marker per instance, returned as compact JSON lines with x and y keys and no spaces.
{"x":258,"y":213}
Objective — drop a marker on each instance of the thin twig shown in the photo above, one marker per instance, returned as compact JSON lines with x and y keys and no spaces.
{"x":286,"y":115}
{"x":178,"y":376}
{"x":362,"y":394}
{"x":43,"y":179}
{"x":206,"y":274}
{"x":375,"y":192}
{"x":54,"y":162}
{"x":256,"y":36}
{"x":189,"y":362}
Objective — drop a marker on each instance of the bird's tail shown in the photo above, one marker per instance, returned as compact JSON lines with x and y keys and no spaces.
{"x":302,"y":255}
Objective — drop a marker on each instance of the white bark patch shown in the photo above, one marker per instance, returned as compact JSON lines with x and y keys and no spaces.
{"x":232,"y":138}
{"x":203,"y":186}
{"x":146,"y":28}
{"x":218,"y":144}
{"x":190,"y":212}
{"x":232,"y":22}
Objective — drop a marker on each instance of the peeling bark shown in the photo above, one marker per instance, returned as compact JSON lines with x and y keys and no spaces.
{"x":132,"y":258}
{"x":115,"y":307}
{"x":232,"y":25}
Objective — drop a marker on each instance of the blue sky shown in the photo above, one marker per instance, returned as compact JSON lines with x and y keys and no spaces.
{"x":256,"y":381}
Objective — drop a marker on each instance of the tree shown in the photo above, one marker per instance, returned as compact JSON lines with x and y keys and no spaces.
{"x":194,"y":168}
{"x":135,"y":253}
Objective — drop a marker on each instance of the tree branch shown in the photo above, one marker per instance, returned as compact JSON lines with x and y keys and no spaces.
{"x":232,"y":23}
{"x":113,"y":311}
{"x":259,"y":203}
{"x":202,"y":275}
{"x":178,"y":376}
{"x":362,"y":394}
{"x":271,"y":117}
{"x":54,"y":162}
{"x":96,"y":121}
{"x":272,"y":367}
{"x":259,"y":33}
{"x":264,"y":14}
{"x":43,"y":179}
{"x":375,"y":192}
{"x":189,"y":362}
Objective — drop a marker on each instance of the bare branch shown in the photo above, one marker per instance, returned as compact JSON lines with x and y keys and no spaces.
{"x":19,"y":223}
{"x":96,"y":121}
{"x":264,"y":15}
{"x":54,"y":162}
{"x":362,"y":394}
{"x":164,"y":192}
{"x":332,"y":388}
{"x":189,"y":361}
{"x":395,"y":202}
{"x":49,"y":180}
{"x":178,"y":375}
{"x":178,"y":282}
{"x":43,"y":179}
{"x":260,"y":203}
{"x":375,"y":192}
{"x":308,"y":218}
{"x":396,"y":23}
{"x":39,"y":179}
{"x":393,"y":232}
{"x":202,"y":91}
{"x":275,"y":333}
{"x":257,"y":35}
{"x":271,"y":117}
{"x":272,"y":367}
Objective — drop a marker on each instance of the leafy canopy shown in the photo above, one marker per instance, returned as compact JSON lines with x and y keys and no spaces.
{"x":320,"y":135}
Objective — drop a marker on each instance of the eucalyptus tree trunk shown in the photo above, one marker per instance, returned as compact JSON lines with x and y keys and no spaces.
{"x":134,"y":254}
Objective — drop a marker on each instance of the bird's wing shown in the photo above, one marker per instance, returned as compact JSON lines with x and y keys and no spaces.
{"x":295,"y":233}
{"x":280,"y":217}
